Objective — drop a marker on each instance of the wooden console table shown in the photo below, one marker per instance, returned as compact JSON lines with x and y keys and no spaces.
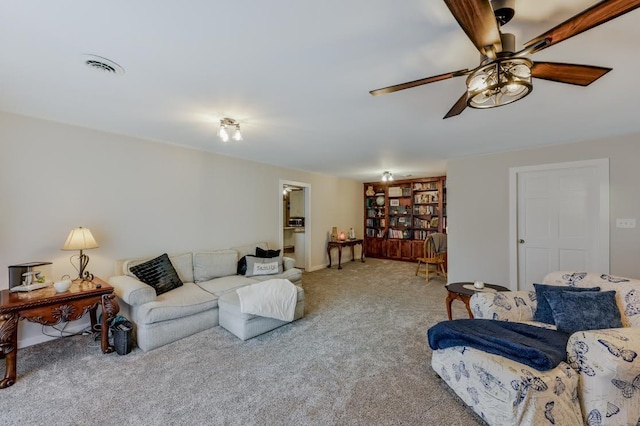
{"x":345,"y":243}
{"x":47,"y":307}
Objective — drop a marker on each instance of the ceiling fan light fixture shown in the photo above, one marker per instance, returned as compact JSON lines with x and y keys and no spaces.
{"x":501,"y":82}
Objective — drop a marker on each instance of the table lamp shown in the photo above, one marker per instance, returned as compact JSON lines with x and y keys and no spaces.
{"x":80,"y":239}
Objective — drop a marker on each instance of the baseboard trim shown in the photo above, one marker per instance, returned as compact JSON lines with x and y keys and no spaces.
{"x":318,"y":267}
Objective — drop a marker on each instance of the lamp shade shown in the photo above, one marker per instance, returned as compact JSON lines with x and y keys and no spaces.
{"x":80,"y":239}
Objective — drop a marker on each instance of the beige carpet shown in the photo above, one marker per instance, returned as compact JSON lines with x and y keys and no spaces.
{"x":359,"y":357}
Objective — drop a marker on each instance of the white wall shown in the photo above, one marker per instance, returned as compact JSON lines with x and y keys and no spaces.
{"x":142,"y":198}
{"x":478,"y":211}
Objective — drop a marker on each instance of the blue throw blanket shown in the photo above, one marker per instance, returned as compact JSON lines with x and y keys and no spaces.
{"x":540,"y":348}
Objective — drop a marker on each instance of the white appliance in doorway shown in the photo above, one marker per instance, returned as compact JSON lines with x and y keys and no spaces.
{"x":299,"y":248}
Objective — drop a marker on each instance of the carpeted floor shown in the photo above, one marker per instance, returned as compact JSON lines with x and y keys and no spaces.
{"x":358,"y":357}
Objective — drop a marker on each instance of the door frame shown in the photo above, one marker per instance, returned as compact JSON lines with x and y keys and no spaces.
{"x":307,"y":217}
{"x":602,"y":167}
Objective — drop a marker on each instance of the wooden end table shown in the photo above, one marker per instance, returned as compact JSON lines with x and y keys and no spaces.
{"x":458,"y":291}
{"x":47,"y":307}
{"x":345,"y":243}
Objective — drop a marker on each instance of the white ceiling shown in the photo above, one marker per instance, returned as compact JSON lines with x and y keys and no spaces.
{"x":296,"y":74}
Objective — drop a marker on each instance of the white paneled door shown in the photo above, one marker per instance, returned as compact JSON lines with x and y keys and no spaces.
{"x":562,"y":219}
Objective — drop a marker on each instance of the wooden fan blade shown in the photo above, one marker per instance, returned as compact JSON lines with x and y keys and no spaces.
{"x":597,"y":14}
{"x":458,"y":107}
{"x":477,"y":20}
{"x":420,"y":82}
{"x":582,"y":75}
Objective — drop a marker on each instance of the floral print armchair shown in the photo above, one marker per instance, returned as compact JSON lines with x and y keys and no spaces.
{"x":598,"y":385}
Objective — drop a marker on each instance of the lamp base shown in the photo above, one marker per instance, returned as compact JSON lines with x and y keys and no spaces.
{"x":83,"y":261}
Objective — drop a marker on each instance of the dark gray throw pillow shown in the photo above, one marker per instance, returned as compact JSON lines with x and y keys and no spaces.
{"x":262,"y":253}
{"x":242,"y":265}
{"x":159,"y":273}
{"x":587,"y":310}
{"x":543,"y":311}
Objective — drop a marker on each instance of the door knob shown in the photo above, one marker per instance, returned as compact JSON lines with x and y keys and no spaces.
{"x":521,"y":241}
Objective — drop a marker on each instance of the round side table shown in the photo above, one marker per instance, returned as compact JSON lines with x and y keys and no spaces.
{"x":458,"y":291}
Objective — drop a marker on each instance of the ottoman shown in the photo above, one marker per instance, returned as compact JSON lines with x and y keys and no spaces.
{"x":246,"y":326}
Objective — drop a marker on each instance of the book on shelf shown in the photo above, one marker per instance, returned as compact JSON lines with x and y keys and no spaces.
{"x":400,"y":234}
{"x":420,"y":234}
{"x":425,"y":210}
{"x":425,"y":186}
{"x":426,"y":197}
{"x":420,"y":223}
{"x":398,"y":210}
{"x":399,"y":221}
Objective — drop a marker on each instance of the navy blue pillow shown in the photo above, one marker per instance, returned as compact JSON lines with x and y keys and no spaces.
{"x":587,"y":310}
{"x":543,"y":311}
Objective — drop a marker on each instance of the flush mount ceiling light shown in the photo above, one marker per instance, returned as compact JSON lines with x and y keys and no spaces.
{"x":229,"y":122}
{"x":387,"y":176}
{"x":102,"y":64}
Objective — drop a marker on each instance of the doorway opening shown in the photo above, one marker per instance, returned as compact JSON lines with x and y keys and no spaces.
{"x":295,"y":221}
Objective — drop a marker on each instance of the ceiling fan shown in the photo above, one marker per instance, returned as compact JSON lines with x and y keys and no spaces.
{"x":504,"y":74}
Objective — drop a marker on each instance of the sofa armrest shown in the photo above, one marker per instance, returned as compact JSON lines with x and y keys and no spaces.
{"x":504,"y":305}
{"x":289,"y":263}
{"x":609,"y":368}
{"x":132,"y":291}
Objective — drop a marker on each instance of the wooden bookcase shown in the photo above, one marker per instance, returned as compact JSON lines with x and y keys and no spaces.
{"x":400,"y":214}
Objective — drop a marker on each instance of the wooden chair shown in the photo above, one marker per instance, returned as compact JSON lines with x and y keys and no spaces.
{"x":432,"y":259}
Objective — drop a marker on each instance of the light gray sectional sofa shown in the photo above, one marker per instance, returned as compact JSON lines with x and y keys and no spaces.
{"x":193,"y":307}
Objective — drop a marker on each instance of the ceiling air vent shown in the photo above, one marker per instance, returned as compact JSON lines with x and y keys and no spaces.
{"x":102,"y":64}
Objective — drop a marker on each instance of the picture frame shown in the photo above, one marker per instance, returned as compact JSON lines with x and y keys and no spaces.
{"x":395,"y":191}
{"x":394,"y":203}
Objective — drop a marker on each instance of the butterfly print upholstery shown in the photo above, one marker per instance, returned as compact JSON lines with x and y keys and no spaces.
{"x":626,"y":354}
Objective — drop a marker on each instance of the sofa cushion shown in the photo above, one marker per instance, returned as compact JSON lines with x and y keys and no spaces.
{"x":294,"y":275}
{"x":543,"y":311}
{"x":184,"y":266}
{"x":231,"y":302}
{"x":587,"y":310}
{"x":220,"y":286}
{"x":181,"y":302}
{"x":208,"y":265}
{"x":131,"y":290}
{"x":263,"y":266}
{"x":159,"y":273}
